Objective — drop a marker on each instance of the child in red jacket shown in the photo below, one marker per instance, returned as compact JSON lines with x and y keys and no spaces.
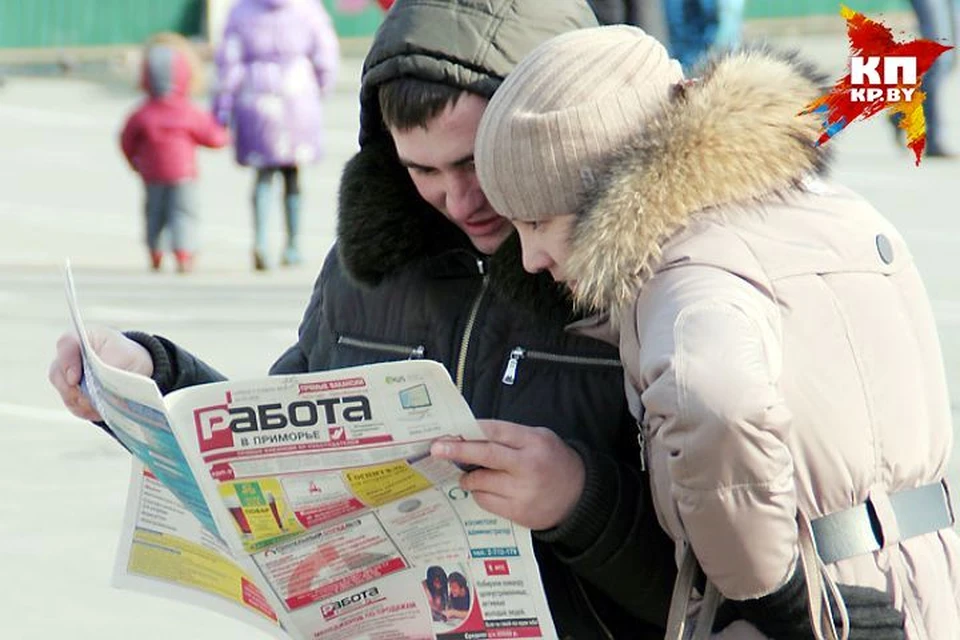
{"x":160,"y":139}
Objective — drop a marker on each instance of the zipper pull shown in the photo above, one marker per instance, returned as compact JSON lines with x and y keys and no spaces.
{"x":481,"y":266}
{"x":417,"y":354}
{"x":510,"y":375}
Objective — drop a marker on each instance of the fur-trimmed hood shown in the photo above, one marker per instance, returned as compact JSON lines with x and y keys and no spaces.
{"x":733,"y":136}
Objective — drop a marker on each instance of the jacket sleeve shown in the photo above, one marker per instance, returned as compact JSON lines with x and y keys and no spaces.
{"x":613,"y":539}
{"x":325,"y":50}
{"x":130,"y":139}
{"x":208,"y":132}
{"x":230,"y":70}
{"x":174,"y":367}
{"x":716,"y":425}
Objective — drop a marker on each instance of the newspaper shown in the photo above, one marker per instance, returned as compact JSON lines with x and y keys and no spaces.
{"x":308,"y":505}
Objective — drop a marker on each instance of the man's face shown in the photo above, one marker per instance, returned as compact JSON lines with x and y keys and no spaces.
{"x":456,"y":590}
{"x":439,"y":158}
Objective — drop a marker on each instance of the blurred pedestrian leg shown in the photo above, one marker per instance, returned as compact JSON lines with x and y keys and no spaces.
{"x":262,"y":203}
{"x":649,"y":16}
{"x":692,"y":26}
{"x":697,"y":27}
{"x":955,"y":40}
{"x":156,"y":212}
{"x":263,"y":199}
{"x":291,"y":210}
{"x":184,"y":224}
{"x":609,"y":11}
{"x":640,"y":13}
{"x":729,"y":33}
{"x":935,"y":22}
{"x":172,"y":207}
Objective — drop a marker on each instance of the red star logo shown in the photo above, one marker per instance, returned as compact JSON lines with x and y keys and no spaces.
{"x":844,"y":104}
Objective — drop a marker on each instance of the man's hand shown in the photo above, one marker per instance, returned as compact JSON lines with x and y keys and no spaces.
{"x":67,"y":368}
{"x":527,"y":474}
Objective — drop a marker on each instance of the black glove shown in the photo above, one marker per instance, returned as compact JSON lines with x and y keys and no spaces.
{"x":785,"y":613}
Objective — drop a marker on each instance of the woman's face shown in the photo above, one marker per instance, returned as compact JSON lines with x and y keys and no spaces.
{"x":546,"y":245}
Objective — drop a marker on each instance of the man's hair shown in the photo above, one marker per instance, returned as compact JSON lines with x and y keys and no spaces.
{"x":407,"y":103}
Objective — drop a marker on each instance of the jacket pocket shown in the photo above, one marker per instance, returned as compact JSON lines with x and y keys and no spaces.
{"x":370,"y":351}
{"x":519,"y":354}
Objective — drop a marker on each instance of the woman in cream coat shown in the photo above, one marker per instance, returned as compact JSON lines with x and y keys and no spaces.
{"x":781,"y":353}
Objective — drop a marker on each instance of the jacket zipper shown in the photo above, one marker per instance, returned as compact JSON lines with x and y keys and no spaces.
{"x":468,"y":330}
{"x":412,"y":353}
{"x":593,"y":612}
{"x":519,"y":353}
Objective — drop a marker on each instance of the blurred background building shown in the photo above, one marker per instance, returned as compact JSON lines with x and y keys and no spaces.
{"x":42,"y":24}
{"x":45,"y":25}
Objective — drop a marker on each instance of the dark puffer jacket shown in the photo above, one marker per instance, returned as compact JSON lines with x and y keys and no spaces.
{"x":406,"y":283}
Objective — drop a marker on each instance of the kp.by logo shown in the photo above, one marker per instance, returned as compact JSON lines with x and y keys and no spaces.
{"x":899,"y":78}
{"x":885,"y":75}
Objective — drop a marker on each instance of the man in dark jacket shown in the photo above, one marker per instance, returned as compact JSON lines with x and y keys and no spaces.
{"x":424,"y":268}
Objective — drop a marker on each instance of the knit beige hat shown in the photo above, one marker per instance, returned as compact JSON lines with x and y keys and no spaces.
{"x":566,"y":107}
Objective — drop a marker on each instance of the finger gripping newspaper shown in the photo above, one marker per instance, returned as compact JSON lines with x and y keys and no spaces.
{"x":308,"y":505}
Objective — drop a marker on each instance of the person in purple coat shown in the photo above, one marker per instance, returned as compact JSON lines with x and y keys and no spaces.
{"x":277,"y":60}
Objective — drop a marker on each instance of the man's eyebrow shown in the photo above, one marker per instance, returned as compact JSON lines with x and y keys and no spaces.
{"x":410,"y":164}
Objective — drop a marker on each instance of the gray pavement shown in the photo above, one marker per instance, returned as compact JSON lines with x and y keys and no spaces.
{"x":65,"y":192}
